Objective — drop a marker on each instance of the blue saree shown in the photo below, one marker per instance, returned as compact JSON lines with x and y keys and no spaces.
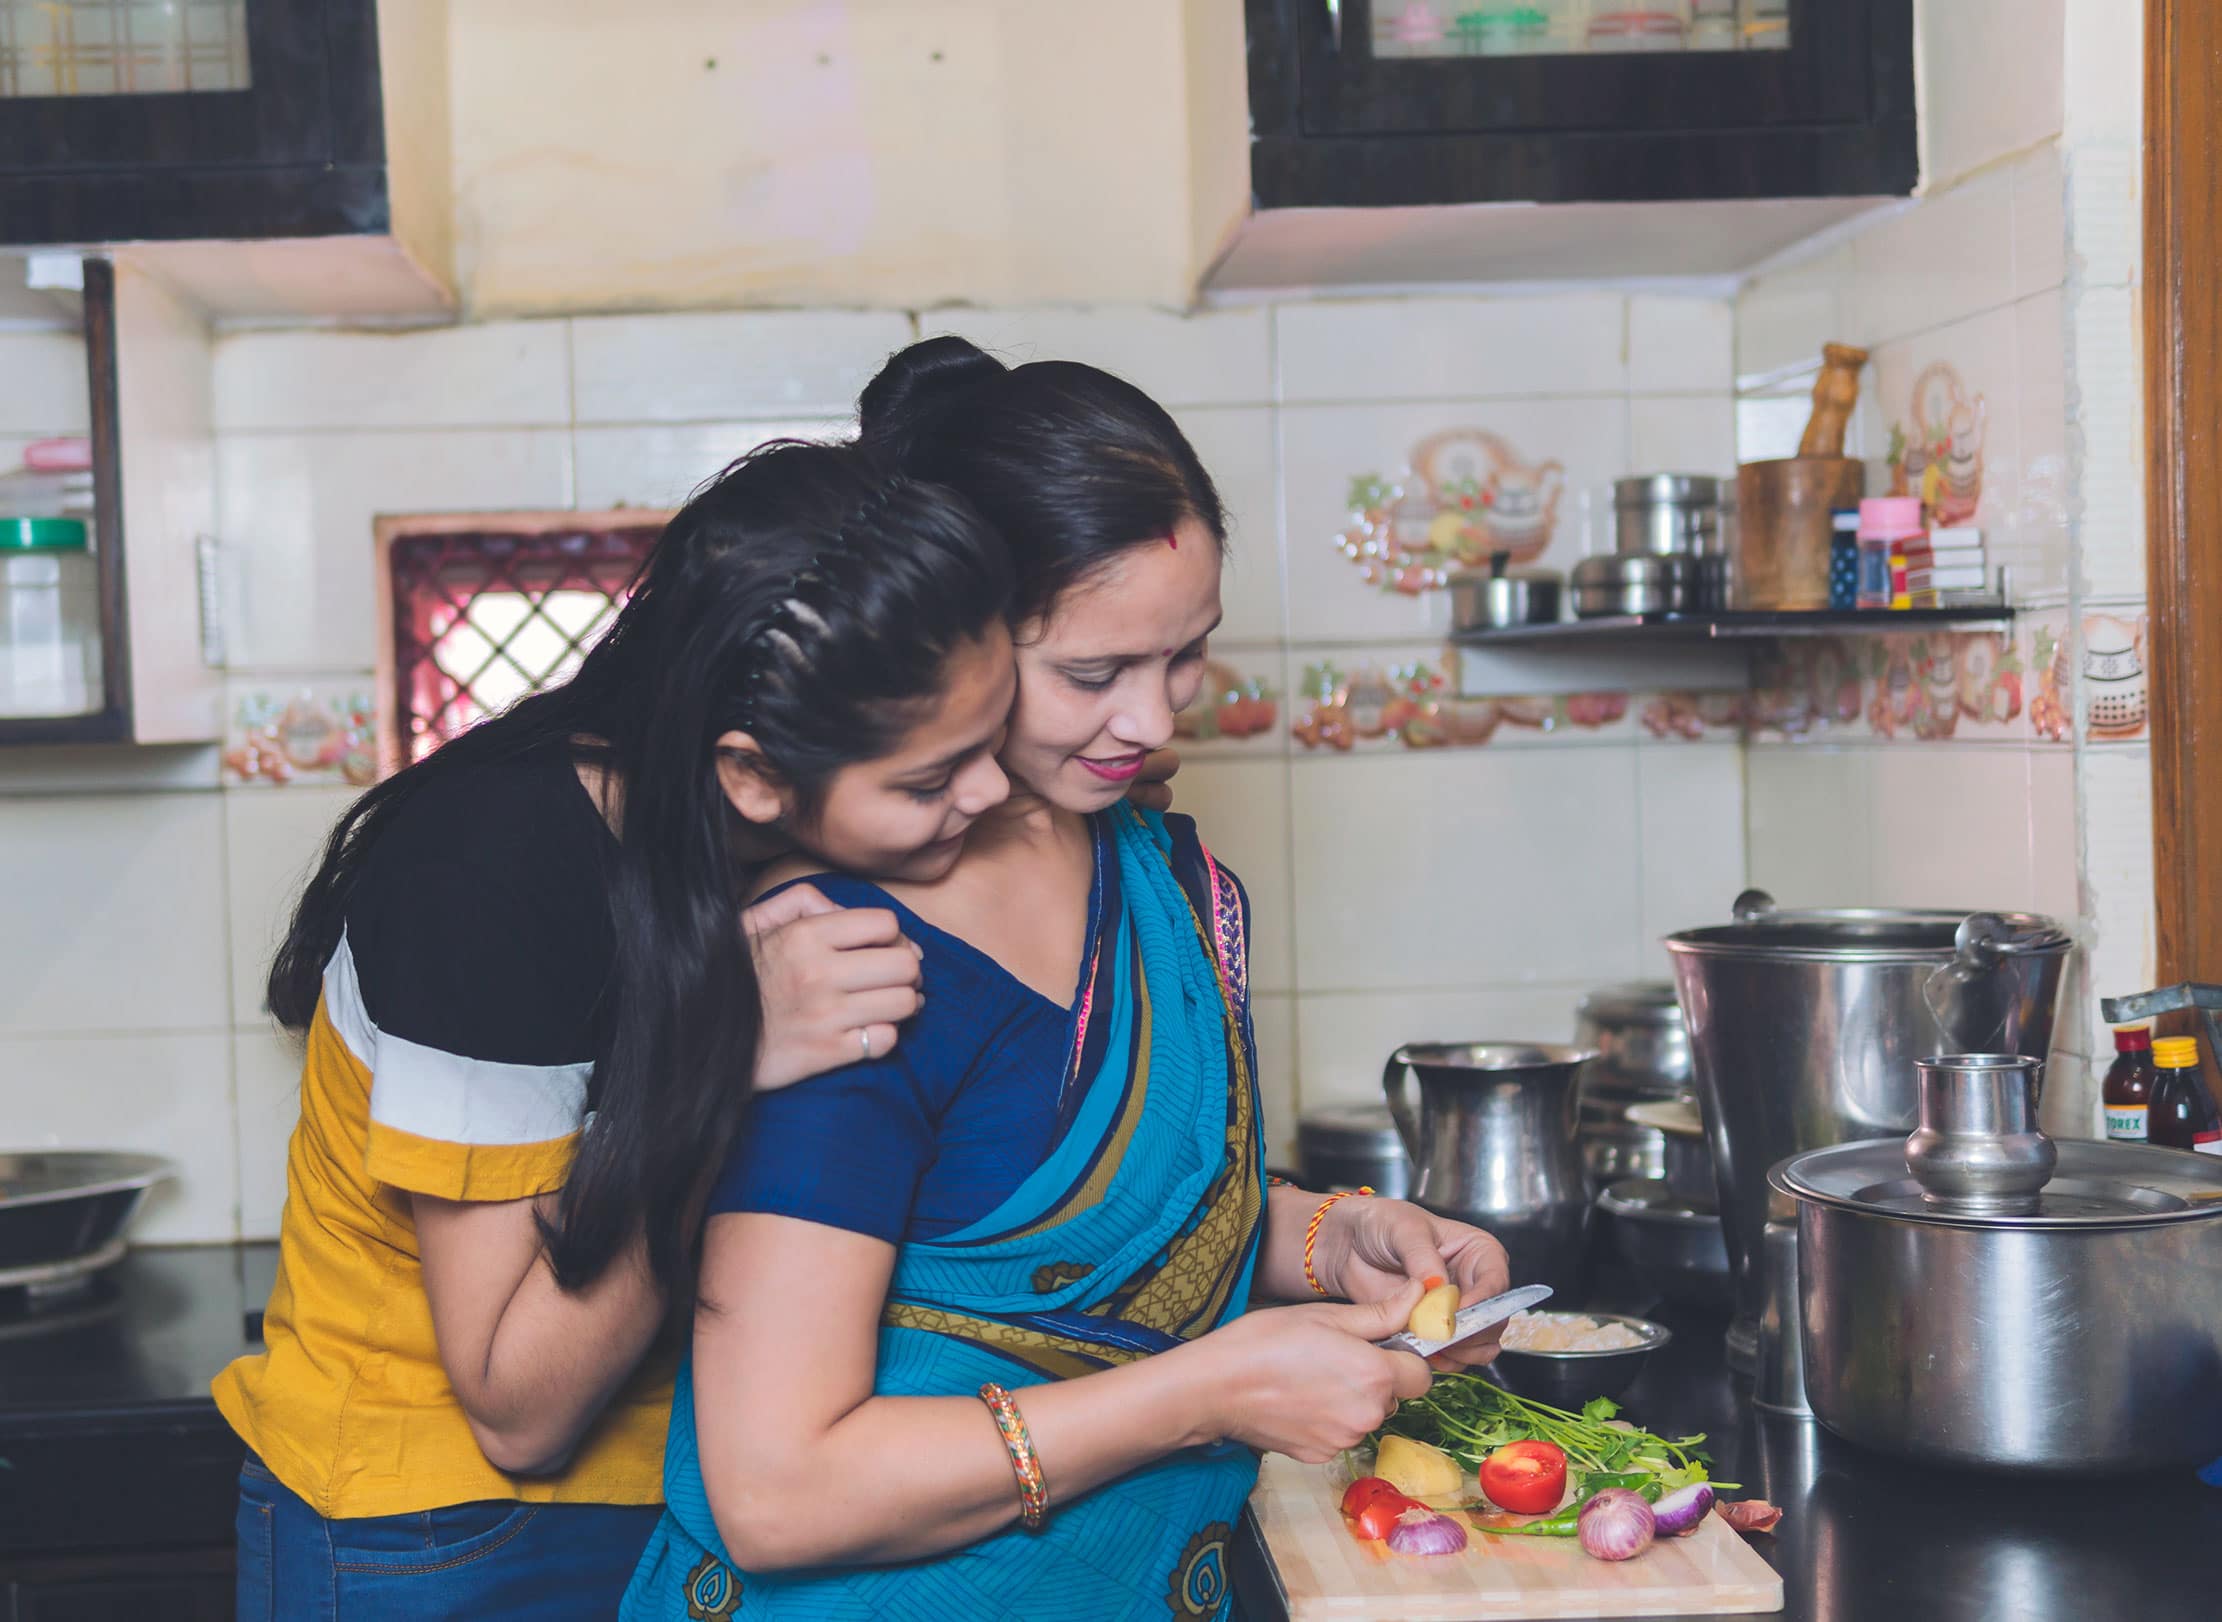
{"x":1138,"y":1231}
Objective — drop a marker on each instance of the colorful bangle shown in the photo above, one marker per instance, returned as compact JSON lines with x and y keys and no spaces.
{"x":1033,"y":1492}
{"x":1311,"y":1232}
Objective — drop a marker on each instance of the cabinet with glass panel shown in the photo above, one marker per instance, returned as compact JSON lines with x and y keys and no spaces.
{"x":1382,"y":102}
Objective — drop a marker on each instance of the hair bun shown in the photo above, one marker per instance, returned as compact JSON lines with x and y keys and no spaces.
{"x":917,"y":382}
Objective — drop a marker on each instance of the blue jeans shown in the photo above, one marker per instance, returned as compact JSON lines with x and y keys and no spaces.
{"x":466,"y":1562}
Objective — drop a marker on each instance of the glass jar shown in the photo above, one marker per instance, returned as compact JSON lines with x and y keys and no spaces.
{"x":49,"y":618}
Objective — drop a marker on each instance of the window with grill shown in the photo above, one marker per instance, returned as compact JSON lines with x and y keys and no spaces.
{"x":484,"y":610}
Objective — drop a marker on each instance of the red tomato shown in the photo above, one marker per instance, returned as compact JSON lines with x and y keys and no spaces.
{"x":1527,"y":1477}
{"x":1373,"y":1507}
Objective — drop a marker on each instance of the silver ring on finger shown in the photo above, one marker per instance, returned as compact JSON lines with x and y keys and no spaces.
{"x":864,"y":1039}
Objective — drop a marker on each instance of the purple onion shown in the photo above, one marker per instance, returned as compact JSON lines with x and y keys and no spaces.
{"x":1616,"y":1525}
{"x":1679,"y":1513}
{"x":1422,"y":1531}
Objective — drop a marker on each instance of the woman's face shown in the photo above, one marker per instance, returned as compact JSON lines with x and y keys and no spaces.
{"x":1102,"y":673}
{"x":903,"y":814}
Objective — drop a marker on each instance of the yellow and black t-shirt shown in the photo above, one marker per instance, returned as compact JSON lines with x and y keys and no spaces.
{"x":451,"y":1055}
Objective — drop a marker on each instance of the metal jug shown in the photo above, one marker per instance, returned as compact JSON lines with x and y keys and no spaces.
{"x":1494,"y":1142}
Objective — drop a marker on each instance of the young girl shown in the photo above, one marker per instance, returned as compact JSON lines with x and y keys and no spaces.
{"x":1010,"y":1261}
{"x":532,"y":1014}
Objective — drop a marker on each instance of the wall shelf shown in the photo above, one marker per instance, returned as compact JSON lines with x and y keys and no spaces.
{"x":1733,"y":626}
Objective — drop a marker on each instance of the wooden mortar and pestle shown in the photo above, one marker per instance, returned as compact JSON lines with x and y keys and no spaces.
{"x":1783,"y":506}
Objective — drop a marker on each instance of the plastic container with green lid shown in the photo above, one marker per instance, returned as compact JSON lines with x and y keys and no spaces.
{"x":49,"y":618}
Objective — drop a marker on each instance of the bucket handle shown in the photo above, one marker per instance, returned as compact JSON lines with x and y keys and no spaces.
{"x":1754,"y":906}
{"x":1393,"y":1076}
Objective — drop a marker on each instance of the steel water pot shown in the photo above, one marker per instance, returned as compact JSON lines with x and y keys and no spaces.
{"x":1805,"y":1028}
{"x":1493,"y":1142}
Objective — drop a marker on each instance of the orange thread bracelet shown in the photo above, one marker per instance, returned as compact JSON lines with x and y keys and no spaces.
{"x":1311,"y":1233}
{"x":1033,"y":1491}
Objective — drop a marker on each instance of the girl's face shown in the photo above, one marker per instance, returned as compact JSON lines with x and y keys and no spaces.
{"x":1102,"y":673}
{"x":903,"y":814}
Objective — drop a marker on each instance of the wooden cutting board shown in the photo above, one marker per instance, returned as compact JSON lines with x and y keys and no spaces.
{"x":1330,"y":1576}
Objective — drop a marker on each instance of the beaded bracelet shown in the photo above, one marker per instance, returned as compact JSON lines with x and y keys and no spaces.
{"x":1033,"y":1492}
{"x":1311,"y":1233}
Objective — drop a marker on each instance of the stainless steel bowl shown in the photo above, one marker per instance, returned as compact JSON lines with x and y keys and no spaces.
{"x":1635,"y":583}
{"x":1569,"y":1379}
{"x":63,"y":1213}
{"x":1666,"y":513}
{"x":2082,"y":1336}
{"x":1481,"y":601}
{"x":1673,"y":1246}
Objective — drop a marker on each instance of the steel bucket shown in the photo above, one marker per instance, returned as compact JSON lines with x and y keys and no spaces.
{"x":1493,"y":1142}
{"x":1805,"y":1028}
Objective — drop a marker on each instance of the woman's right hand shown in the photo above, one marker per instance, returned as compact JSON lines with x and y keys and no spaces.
{"x":1308,"y":1380}
{"x":836,"y":982}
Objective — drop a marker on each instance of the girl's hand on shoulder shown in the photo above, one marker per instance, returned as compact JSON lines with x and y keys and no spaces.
{"x":1308,"y":1380}
{"x":1373,"y":1249}
{"x":836,"y":983}
{"x":1150,"y":790}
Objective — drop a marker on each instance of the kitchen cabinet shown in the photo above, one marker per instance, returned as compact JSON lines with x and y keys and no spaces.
{"x":273,"y":156}
{"x":1376,"y":103}
{"x":148,"y":360}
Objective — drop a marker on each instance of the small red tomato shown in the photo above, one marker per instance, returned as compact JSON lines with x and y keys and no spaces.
{"x":1373,"y":1506}
{"x":1527,"y":1477}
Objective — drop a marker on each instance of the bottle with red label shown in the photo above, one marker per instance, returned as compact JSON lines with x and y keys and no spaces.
{"x":2128,"y":1093}
{"x":2182,"y":1114}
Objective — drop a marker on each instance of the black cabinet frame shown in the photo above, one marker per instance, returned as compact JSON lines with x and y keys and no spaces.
{"x":1332,"y":125}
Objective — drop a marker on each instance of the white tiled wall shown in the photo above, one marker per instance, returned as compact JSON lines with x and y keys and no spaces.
{"x":1398,"y":893}
{"x":2018,"y":269}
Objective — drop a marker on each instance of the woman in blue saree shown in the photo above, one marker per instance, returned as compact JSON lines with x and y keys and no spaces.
{"x":973,"y":1337}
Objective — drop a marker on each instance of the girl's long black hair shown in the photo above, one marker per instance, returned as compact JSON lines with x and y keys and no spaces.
{"x":810,"y":596}
{"x":1071,"y":464}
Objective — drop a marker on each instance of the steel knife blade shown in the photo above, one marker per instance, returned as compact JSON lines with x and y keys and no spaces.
{"x":1471,"y":1320}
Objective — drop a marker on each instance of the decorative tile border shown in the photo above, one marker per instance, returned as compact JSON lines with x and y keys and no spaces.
{"x":322,"y":730}
{"x":1238,"y":707}
{"x":1465,"y":495}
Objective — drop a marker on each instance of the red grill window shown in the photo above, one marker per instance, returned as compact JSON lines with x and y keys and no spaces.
{"x":482,"y":617}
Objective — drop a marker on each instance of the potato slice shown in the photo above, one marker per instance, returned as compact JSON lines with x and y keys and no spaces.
{"x":1436,"y":1317}
{"x":1417,"y":1470}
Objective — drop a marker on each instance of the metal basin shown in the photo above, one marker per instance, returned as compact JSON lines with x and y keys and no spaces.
{"x":2084,"y":1335}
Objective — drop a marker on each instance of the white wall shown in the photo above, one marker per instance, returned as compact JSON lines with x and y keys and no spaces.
{"x":1400,"y":892}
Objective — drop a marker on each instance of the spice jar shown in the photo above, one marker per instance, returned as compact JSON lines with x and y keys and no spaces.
{"x":2128,"y":1090}
{"x":49,"y":618}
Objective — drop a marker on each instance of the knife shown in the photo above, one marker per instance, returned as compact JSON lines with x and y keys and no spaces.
{"x":1471,"y":1320}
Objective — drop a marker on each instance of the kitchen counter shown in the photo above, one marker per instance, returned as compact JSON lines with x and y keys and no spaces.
{"x":111,"y":1451}
{"x":1871,"y":1539}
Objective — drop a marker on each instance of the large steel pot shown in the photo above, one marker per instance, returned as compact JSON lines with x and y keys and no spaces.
{"x":1804,"y":1028}
{"x":1493,"y":1143}
{"x":1643,"y":1052}
{"x":2083,"y":1334}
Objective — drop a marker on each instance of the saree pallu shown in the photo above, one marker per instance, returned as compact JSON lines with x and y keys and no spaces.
{"x":1138,"y":1232}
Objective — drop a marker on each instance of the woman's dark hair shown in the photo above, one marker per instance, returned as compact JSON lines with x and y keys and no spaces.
{"x":809,"y":595}
{"x":1070,"y":463}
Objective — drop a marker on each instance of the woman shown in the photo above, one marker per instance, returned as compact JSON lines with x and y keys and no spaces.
{"x":532,"y":1014}
{"x":997,"y":1279}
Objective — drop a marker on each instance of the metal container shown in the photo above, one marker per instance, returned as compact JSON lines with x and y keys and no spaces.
{"x":1804,"y":1029}
{"x":1570,"y":1379}
{"x":2084,"y":1335}
{"x":1674,"y":1247}
{"x":1493,"y":1142}
{"x":1496,"y":602}
{"x":1665,"y":514}
{"x":1635,"y":583}
{"x":1643,"y":1053}
{"x":1978,"y":1147}
{"x":1687,"y":1157}
{"x":63,"y":1214}
{"x":1353,"y":1146}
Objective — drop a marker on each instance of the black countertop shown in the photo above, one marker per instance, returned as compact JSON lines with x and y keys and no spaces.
{"x":108,"y":1437}
{"x":1870,"y":1539}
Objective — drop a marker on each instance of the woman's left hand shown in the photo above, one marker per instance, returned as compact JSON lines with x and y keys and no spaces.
{"x":1152,"y":790}
{"x":1370,"y":1248}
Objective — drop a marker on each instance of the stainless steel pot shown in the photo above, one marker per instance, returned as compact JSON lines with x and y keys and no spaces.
{"x":1496,"y":602}
{"x":1493,"y":1142}
{"x":1643,"y":1053}
{"x":1635,"y":583}
{"x":1666,"y":513}
{"x":1353,"y":1146}
{"x":2083,"y":1335}
{"x":1804,"y":1029}
{"x":1687,"y":1157}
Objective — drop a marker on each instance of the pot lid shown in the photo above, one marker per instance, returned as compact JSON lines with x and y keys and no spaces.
{"x":1664,"y":489}
{"x":1350,"y":1128}
{"x":1633,"y":1002}
{"x":2094,"y":1185}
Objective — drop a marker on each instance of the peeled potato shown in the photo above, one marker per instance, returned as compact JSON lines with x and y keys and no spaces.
{"x":1436,"y":1317}
{"x":1417,"y":1470}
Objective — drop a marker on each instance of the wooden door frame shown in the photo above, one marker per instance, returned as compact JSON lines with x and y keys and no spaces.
{"x":2183,"y":476}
